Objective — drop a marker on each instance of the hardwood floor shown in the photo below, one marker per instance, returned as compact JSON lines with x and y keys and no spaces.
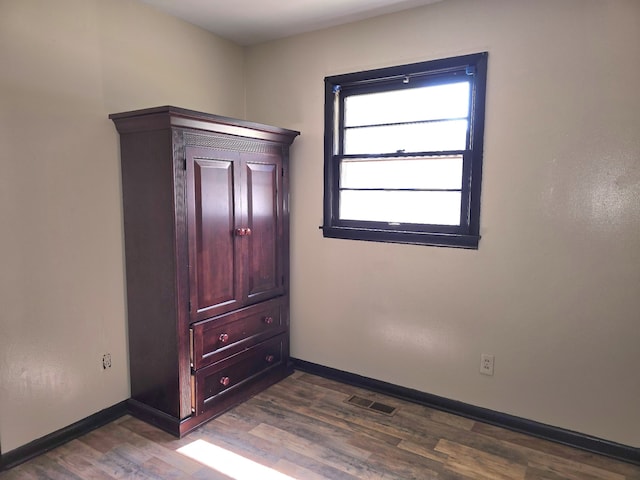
{"x":303,"y":429}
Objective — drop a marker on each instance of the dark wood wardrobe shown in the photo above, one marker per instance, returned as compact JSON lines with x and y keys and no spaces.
{"x":206,"y":222}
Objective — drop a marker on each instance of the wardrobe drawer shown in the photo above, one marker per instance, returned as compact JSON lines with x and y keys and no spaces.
{"x":217,"y":338}
{"x":222,"y":379}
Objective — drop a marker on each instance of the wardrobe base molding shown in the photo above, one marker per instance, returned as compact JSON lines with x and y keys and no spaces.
{"x":180,"y":428}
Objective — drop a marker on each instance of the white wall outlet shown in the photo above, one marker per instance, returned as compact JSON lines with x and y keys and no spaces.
{"x":486,"y":364}
{"x":106,"y":361}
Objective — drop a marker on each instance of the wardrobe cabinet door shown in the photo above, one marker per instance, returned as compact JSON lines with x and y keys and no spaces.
{"x":264,"y":268}
{"x":213,"y":214}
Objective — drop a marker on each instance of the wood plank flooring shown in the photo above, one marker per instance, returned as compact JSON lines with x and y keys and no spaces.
{"x":303,"y":429}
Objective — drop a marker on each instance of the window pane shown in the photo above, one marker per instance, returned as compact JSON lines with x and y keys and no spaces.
{"x":444,"y":172}
{"x":408,"y":105}
{"x":413,"y":137}
{"x":435,"y":208}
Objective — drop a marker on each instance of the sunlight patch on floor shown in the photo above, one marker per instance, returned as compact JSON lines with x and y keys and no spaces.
{"x":229,"y":463}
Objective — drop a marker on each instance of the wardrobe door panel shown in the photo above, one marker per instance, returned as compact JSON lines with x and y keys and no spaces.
{"x":213,"y":212}
{"x":264,"y":275}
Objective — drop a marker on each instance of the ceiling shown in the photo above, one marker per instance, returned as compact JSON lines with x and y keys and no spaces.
{"x":248,"y":22}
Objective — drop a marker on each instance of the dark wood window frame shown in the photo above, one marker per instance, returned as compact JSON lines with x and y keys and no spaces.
{"x":338,"y":87}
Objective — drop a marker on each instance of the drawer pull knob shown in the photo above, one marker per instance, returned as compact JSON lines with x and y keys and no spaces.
{"x":224,"y":338}
{"x":224,"y":381}
{"x":268,"y":320}
{"x":269,"y":358}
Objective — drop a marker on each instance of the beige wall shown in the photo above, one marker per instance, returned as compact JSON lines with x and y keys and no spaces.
{"x":554,"y":289}
{"x":64,"y":66}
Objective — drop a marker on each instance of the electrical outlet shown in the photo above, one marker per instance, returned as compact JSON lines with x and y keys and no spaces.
{"x":106,"y":361}
{"x":486,"y":364}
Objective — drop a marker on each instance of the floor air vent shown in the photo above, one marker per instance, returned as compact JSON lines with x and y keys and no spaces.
{"x":371,"y":405}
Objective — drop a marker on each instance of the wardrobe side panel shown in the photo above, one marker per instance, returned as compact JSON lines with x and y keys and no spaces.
{"x":149,"y":224}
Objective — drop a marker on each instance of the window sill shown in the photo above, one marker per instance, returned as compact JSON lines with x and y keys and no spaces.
{"x":453,"y":240}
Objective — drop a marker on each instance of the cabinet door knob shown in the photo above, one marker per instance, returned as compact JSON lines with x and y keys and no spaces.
{"x":269,"y":358}
{"x":241,"y":232}
{"x":268,"y":320}
{"x":247,"y":231}
{"x":224,"y":381}
{"x":224,"y":338}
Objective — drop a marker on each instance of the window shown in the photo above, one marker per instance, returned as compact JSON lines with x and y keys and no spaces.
{"x":403,"y":153}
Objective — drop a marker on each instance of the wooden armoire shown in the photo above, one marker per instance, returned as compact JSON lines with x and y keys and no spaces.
{"x":206,"y":222}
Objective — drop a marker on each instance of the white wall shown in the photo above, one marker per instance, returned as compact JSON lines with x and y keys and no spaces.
{"x":64,"y":66}
{"x":554,"y":289}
